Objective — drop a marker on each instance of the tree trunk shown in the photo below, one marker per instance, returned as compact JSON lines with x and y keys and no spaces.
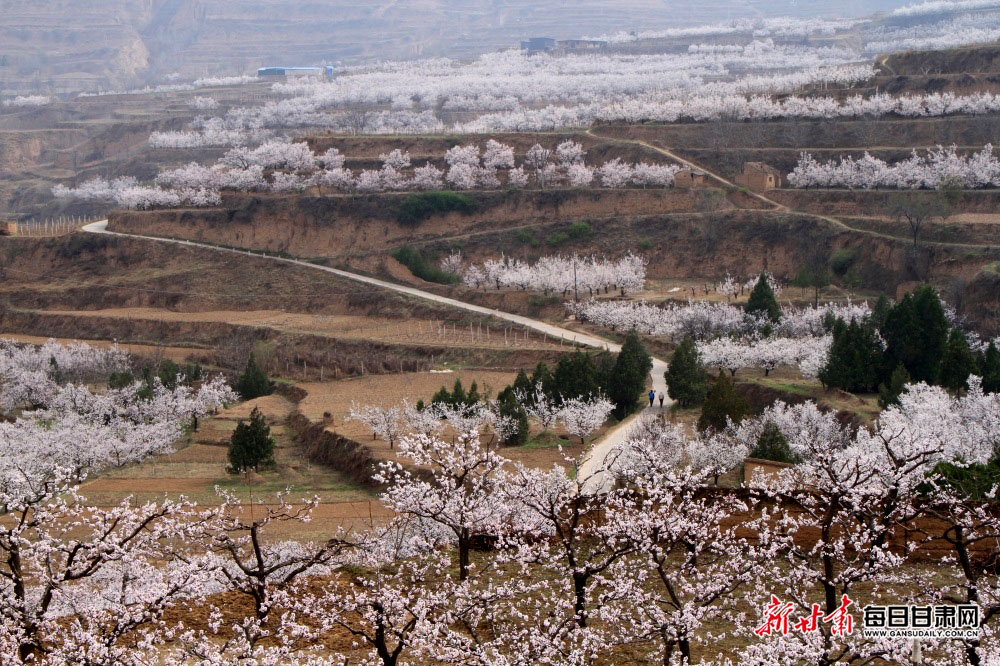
{"x":685,"y":647}
{"x":463,"y":553}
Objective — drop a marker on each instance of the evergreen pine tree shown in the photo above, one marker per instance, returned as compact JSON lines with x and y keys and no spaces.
{"x":605,"y":370}
{"x":251,"y":446}
{"x":889,"y":392}
{"x":576,"y":376}
{"x":441,"y":397}
{"x":991,"y":369}
{"x":508,"y":406}
{"x":542,"y":379}
{"x":762,"y":300}
{"x":933,"y":328}
{"x":473,"y":396}
{"x":900,"y":331}
{"x":879,"y":312}
{"x":145,"y":391}
{"x":957,"y":363}
{"x":192,"y":372}
{"x":772,"y":445}
{"x":628,"y":380}
{"x":854,"y":360}
{"x":458,"y":395}
{"x":523,"y":386}
{"x":916,"y":335}
{"x":687,"y":382}
{"x":253,"y":383}
{"x":722,"y":403}
{"x":119,"y":380}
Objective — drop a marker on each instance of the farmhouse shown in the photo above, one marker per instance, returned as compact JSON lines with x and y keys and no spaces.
{"x":688,"y":178}
{"x":759,"y":176}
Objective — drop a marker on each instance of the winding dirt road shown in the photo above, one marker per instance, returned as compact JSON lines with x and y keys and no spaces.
{"x":591,"y":472}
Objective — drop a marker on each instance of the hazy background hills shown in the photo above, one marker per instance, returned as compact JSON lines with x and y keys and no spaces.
{"x":65,"y":45}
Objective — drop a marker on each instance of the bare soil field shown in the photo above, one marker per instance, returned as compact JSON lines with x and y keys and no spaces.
{"x":198,"y":467}
{"x":406,"y":332}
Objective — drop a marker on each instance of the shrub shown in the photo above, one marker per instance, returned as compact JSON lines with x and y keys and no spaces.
{"x":557,"y":238}
{"x":645,"y":244}
{"x":416,"y":208}
{"x":251,"y":446}
{"x":421,"y":268}
{"x":842,"y":260}
{"x":119,"y":380}
{"x":525,"y":237}
{"x":168,"y":374}
{"x":722,"y":404}
{"x":772,"y":445}
{"x":579,"y":229}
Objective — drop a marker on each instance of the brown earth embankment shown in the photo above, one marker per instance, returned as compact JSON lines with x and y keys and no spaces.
{"x":322,"y":446}
{"x":860,"y":133}
{"x":844,"y":202}
{"x":299,"y":355}
{"x":341,"y":226}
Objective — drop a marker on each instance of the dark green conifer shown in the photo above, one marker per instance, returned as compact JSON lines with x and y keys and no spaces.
{"x":762,"y":300}
{"x":687,"y":381}
{"x":722,"y":404}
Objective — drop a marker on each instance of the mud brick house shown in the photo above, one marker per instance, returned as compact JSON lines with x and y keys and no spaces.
{"x":759,"y":176}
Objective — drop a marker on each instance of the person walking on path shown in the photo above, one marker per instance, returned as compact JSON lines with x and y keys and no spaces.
{"x":661,"y":399}
{"x":652,"y":397}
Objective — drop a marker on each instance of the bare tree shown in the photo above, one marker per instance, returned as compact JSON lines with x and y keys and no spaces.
{"x":917,"y":209}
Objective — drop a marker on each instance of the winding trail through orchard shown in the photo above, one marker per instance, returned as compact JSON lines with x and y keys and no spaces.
{"x":591,"y":471}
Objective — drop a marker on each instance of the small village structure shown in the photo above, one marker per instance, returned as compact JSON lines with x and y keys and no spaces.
{"x":759,"y":176}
